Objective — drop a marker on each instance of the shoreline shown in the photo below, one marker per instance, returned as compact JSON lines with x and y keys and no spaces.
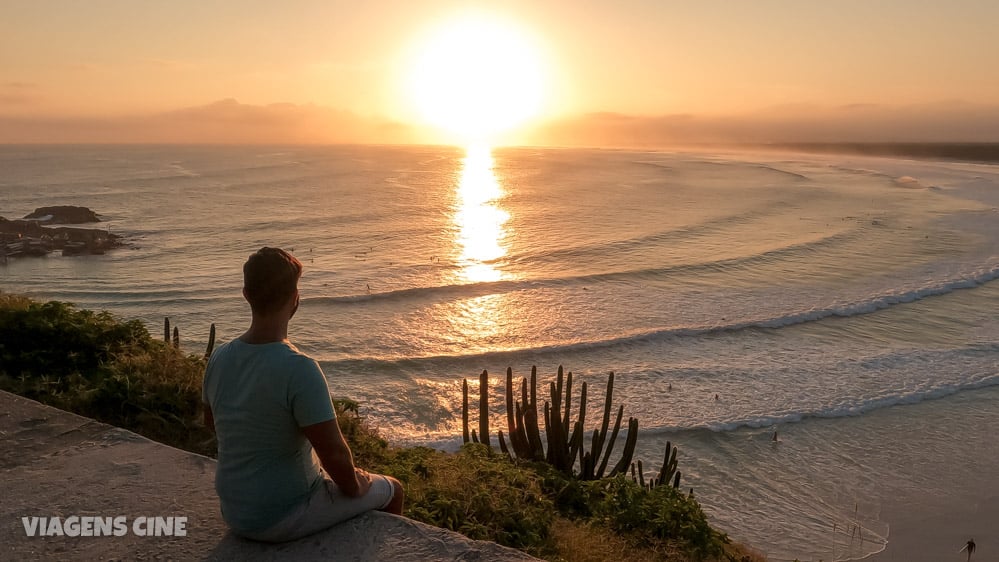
{"x":938,"y":487}
{"x":956,"y":493}
{"x":966,"y":152}
{"x":936,"y":531}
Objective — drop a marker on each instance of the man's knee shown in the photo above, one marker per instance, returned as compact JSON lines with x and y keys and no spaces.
{"x":395,"y":505}
{"x":397,"y":490}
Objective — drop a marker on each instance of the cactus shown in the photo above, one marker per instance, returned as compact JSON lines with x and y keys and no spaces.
{"x":484,"y":408}
{"x":555,"y":390}
{"x":534,"y":388}
{"x":531,"y":418}
{"x":557,"y":446}
{"x":568,"y":401}
{"x":564,"y":449}
{"x":521,"y":446}
{"x":534,"y":430}
{"x":166,"y":329}
{"x":518,"y":439}
{"x":577,"y":431}
{"x":586,"y":466}
{"x":464,"y":411}
{"x":176,"y":337}
{"x":589,"y":460}
{"x":211,"y":342}
{"x":560,"y":423}
{"x":668,"y":472}
{"x":575,"y":443}
{"x":537,"y":451}
{"x":629,"y":448}
{"x":590,"y":470}
{"x":610,"y":444}
{"x":552,"y":435}
{"x":599,"y":444}
{"x":502,"y":444}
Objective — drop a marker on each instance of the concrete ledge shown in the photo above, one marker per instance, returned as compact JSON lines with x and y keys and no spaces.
{"x":57,"y":464}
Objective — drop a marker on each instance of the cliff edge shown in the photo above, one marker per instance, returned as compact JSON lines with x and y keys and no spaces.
{"x":56,"y":465}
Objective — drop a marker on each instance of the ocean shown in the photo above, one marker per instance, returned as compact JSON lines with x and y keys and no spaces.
{"x":846,"y":303}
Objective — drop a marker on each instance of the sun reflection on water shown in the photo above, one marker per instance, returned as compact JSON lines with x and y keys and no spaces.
{"x":478,"y":218}
{"x":481,"y":241}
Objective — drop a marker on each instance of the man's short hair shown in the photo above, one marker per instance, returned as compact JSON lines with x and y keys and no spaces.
{"x":270,"y":278}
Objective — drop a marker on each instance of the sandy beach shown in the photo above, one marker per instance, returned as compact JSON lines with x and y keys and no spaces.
{"x":936,"y":530}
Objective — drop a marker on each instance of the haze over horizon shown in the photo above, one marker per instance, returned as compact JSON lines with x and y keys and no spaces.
{"x":635,"y":73}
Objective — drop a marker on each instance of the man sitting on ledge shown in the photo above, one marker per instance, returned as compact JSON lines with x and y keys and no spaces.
{"x":271,"y":410}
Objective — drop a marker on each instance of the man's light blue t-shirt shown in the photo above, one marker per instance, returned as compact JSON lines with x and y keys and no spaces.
{"x":261,"y":395}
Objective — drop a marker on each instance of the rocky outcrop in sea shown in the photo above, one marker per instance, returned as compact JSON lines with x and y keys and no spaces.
{"x":34,"y":236}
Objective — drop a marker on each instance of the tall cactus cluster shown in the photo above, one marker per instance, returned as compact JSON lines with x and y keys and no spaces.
{"x":176,"y":337}
{"x":565,"y":449}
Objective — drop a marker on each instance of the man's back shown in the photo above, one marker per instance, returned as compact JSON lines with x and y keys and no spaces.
{"x":260,"y":396}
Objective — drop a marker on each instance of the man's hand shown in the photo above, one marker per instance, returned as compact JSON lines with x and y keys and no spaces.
{"x":209,"y":417}
{"x":363,"y":483}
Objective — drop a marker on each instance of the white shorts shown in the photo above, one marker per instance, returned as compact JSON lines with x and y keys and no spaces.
{"x":326,"y":507}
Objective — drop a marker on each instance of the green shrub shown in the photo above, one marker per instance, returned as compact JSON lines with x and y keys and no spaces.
{"x":94,"y":365}
{"x":53,"y":338}
{"x":653,"y":516}
{"x":367,"y":445}
{"x":476,"y":493}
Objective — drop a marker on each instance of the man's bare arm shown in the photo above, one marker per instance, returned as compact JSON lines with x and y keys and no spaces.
{"x":336,"y":458}
{"x":209,"y":418}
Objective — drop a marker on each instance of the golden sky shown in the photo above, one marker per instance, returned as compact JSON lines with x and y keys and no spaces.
{"x":336,"y":71}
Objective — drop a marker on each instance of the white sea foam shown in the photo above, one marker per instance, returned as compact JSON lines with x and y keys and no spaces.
{"x":908,"y":181}
{"x":844,"y":408}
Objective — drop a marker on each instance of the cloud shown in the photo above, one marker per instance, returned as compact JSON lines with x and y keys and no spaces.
{"x":222,"y":122}
{"x":15,"y":93}
{"x":85,"y":67}
{"x":857,"y":106}
{"x":228,"y":121}
{"x":16,"y":99}
{"x":165,"y":64}
{"x":939,"y":122}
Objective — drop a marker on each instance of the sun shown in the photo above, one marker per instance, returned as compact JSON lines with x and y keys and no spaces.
{"x":475,"y":76}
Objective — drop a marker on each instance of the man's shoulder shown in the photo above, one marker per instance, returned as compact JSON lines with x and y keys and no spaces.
{"x":296,"y":359}
{"x":292,"y":351}
{"x":281,"y":354}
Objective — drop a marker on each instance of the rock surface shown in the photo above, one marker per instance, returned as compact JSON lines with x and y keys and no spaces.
{"x":63,"y":214}
{"x":57,"y":464}
{"x":31,"y":236}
